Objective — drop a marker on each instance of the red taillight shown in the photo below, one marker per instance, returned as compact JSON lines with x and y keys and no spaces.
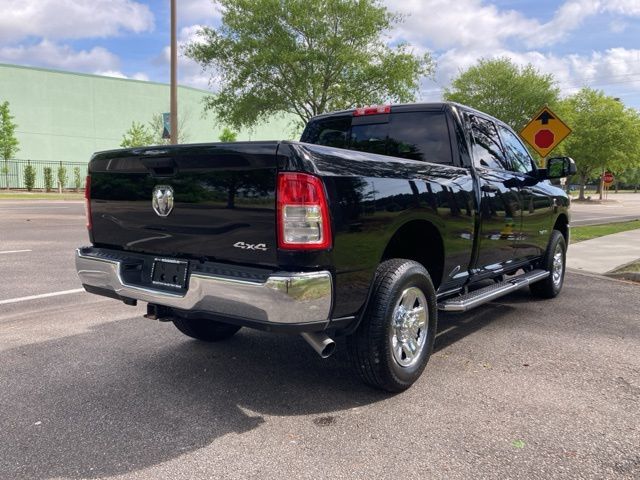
{"x":87,"y":201}
{"x":372,"y":110}
{"x":303,"y":214}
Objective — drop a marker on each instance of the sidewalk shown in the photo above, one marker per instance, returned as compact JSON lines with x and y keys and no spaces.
{"x":603,"y":254}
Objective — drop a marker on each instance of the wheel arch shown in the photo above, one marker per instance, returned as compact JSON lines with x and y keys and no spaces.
{"x":421,"y":241}
{"x":562,"y":225}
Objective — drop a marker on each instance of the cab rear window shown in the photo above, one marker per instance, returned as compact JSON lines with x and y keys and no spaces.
{"x":413,"y":135}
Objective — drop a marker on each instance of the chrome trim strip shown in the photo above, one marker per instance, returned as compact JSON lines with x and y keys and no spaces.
{"x":285,"y":298}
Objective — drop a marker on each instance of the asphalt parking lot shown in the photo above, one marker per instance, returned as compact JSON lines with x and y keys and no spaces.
{"x":90,"y":389}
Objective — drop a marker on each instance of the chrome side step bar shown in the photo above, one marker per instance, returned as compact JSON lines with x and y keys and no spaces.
{"x":483,"y":295}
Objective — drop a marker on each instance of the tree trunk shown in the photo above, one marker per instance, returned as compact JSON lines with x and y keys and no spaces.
{"x":583,"y":180}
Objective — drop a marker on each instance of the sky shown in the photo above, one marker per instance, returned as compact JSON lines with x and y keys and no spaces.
{"x":581,"y":42}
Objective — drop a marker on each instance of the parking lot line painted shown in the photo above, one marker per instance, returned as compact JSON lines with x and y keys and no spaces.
{"x":14,"y":251}
{"x":43,"y":295}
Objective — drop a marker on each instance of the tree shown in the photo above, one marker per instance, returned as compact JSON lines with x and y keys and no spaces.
{"x":605,"y":134}
{"x":138,"y":135}
{"x":504,"y":90}
{"x":228,"y":135}
{"x":156,"y":125}
{"x":631,"y":177}
{"x":304,"y":57}
{"x":9,"y":144}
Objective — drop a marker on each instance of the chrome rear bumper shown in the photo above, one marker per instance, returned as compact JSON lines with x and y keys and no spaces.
{"x":284,"y":298}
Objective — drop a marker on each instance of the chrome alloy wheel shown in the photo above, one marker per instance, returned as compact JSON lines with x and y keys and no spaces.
{"x":409,"y":329}
{"x":558,"y":266}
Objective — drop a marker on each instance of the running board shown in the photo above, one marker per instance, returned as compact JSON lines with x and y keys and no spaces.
{"x":483,"y":295}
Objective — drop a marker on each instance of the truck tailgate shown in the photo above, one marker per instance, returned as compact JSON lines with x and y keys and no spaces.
{"x":223,"y":199}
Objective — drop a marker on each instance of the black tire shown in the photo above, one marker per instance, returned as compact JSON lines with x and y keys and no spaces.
{"x":551,"y":286}
{"x":205,"y":330}
{"x":371,"y":346}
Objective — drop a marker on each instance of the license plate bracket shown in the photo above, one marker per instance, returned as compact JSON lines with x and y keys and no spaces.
{"x":169,"y":272}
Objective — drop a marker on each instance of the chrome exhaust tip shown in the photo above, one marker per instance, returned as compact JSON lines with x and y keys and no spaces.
{"x":321,"y":343}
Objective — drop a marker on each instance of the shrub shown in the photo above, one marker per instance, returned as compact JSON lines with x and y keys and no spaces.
{"x":48,"y":179}
{"x":62,"y":176}
{"x":29,"y":176}
{"x":77,"y":180}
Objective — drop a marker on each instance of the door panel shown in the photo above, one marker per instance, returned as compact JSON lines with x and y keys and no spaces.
{"x":536,"y":204}
{"x":500,"y":220}
{"x":500,"y":204}
{"x":536,"y":221}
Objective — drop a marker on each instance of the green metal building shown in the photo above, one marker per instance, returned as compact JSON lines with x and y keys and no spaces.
{"x":65,"y":116}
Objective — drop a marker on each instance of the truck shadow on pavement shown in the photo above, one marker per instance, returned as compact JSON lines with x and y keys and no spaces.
{"x":131,"y":394}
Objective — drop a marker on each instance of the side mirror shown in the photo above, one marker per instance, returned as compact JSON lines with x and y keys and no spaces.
{"x":559,"y":167}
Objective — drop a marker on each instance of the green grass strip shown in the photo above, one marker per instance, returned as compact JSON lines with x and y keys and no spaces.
{"x":587,"y":232}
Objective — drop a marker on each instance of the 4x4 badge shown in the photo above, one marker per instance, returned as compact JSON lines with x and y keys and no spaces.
{"x":251,"y":246}
{"x":162,"y":200}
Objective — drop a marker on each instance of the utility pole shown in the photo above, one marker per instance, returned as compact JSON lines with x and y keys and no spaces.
{"x":173,"y":107}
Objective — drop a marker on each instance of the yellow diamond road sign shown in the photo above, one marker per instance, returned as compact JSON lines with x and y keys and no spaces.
{"x":545,"y":131}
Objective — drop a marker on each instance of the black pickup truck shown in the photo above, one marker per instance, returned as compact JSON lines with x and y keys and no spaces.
{"x":378,"y":218}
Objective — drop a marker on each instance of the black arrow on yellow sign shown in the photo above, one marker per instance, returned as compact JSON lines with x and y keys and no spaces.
{"x":544,"y":117}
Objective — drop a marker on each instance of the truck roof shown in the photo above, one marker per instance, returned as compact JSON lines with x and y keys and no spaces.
{"x":412,"y":107}
{"x":403,"y":107}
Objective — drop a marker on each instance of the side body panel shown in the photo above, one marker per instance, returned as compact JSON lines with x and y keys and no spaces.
{"x":371,"y":197}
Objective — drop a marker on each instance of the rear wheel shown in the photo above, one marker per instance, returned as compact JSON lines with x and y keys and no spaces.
{"x":554,"y":261}
{"x":205,"y":330}
{"x":394,"y":341}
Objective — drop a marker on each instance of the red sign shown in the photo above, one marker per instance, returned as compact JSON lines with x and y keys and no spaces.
{"x":544,"y":138}
{"x":607,"y":178}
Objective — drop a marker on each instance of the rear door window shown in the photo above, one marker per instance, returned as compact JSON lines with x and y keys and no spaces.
{"x":414,"y":135}
{"x":487,"y":151}
{"x":331,"y":132}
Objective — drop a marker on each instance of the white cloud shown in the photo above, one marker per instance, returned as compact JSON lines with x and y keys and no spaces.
{"x":111,"y":73}
{"x":476,"y":24}
{"x":118,"y":74}
{"x":140,"y":76}
{"x":67,"y":19}
{"x":565,"y":20}
{"x":463,"y":23}
{"x":190,"y":11}
{"x":51,"y":54}
{"x":623,"y":7}
{"x":189,"y":72}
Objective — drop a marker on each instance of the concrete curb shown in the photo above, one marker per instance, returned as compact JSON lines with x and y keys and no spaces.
{"x":600,"y":276}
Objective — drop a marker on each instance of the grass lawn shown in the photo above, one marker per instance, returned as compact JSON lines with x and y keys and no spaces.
{"x":631,"y":268}
{"x":41,"y":196}
{"x":578,"y":234}
{"x":629,"y":272}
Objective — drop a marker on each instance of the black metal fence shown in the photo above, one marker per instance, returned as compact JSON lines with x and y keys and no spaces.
{"x":12,"y":173}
